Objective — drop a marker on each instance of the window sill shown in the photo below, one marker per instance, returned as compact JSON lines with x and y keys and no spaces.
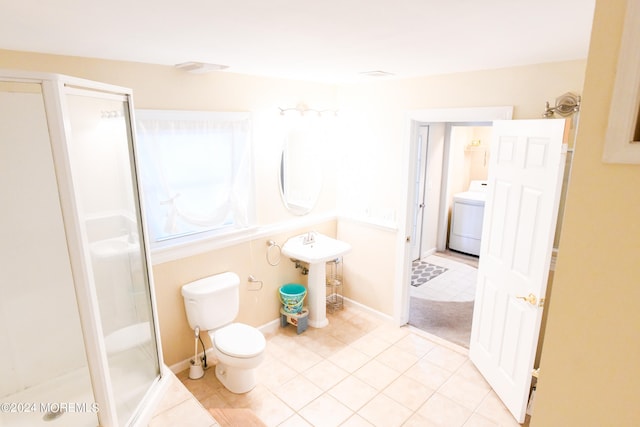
{"x":172,"y":251}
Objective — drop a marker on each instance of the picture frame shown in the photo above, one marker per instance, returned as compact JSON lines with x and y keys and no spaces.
{"x":622,"y":141}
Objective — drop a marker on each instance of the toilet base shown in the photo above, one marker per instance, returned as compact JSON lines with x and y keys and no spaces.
{"x":236,"y":380}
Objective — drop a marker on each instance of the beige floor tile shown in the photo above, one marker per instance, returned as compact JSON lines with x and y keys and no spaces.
{"x":463,"y":391}
{"x":325,"y":411}
{"x":188,"y":413}
{"x":441,"y":411}
{"x":272,"y":373}
{"x":382,"y":411}
{"x":477,"y":420}
{"x":348,"y":333}
{"x":376,"y":374}
{"x":408,"y":392}
{"x":270,"y":409}
{"x":371,"y":345}
{"x":296,"y":357}
{"x":428,"y":374}
{"x":446,"y":358}
{"x":356,"y":421}
{"x":176,"y":393}
{"x":205,"y":386}
{"x":298,"y":392}
{"x":325,"y":345}
{"x":390,"y":333}
{"x":355,"y":372}
{"x":295,"y":421}
{"x":471,"y":373}
{"x":397,"y":359}
{"x":325,"y":374}
{"x":493,"y":408}
{"x":353,"y":393}
{"x":244,"y":400}
{"x":416,"y":420}
{"x":349,"y":359}
{"x":214,"y":400}
{"x":363,"y":321}
{"x":416,"y":345}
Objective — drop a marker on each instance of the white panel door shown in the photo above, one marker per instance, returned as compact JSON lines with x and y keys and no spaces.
{"x":525,"y":180}
{"x":422,"y":145}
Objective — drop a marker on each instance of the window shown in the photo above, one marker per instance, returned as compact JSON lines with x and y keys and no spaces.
{"x":196,"y":172}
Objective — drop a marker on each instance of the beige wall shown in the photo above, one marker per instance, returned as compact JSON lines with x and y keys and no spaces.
{"x":370,"y":164}
{"x":590,"y":370}
{"x":374,"y":166}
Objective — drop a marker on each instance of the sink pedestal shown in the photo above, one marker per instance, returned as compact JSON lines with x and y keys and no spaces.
{"x":315,"y":249}
{"x":316,"y":295}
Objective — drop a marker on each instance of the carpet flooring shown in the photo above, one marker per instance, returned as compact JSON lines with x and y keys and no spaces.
{"x":422,"y":272}
{"x":450,"y":320}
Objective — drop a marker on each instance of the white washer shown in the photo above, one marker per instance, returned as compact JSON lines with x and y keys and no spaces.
{"x":467,"y":214}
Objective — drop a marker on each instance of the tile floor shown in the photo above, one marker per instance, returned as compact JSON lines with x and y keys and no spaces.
{"x":458,"y":283}
{"x":179,"y":407}
{"x":360,"y":371}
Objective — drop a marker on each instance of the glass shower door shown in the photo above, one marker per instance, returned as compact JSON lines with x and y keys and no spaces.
{"x":101,"y":162}
{"x":42,"y":357}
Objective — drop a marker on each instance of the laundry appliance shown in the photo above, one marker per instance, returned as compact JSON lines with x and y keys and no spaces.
{"x":467,"y":213}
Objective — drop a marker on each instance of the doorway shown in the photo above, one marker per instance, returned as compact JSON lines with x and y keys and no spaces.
{"x":414,"y":119}
{"x":448,"y":157}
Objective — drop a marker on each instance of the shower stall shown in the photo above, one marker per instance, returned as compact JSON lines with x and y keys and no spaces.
{"x":79,"y":342}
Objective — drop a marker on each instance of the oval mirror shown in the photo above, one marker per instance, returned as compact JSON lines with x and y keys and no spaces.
{"x":301,"y":170}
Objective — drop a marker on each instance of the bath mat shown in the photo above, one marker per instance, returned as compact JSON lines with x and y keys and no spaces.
{"x":449,"y":320}
{"x":422,"y":272}
{"x":236,"y":417}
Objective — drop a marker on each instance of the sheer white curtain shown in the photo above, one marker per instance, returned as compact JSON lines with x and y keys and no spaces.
{"x":196,"y":169}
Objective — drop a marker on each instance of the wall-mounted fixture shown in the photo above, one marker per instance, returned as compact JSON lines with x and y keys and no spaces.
{"x":566,"y":105}
{"x":377,"y":73}
{"x":257,"y":284}
{"x":303,"y":110}
{"x":273,"y":244}
{"x":200,"y":67}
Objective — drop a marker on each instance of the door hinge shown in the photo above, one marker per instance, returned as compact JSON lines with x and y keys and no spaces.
{"x":535,"y":373}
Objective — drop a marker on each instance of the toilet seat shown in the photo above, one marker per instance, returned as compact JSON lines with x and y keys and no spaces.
{"x":239,"y":340}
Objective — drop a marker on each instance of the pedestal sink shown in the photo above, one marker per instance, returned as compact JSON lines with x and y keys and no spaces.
{"x":315,"y":249}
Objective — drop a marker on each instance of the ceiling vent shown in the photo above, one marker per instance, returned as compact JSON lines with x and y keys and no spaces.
{"x":200,"y":67}
{"x":377,"y":73}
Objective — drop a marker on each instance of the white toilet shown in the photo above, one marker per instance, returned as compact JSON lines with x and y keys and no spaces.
{"x":212,"y":304}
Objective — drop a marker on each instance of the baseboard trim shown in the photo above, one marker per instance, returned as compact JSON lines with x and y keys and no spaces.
{"x":380,"y":315}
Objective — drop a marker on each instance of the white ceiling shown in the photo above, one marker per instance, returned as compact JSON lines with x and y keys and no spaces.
{"x":320,"y":40}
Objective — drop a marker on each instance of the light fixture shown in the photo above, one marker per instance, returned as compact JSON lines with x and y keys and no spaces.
{"x":200,"y":67}
{"x":377,"y":73}
{"x":566,"y":105}
{"x":303,"y":110}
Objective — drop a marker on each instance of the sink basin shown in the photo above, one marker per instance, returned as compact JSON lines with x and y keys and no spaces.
{"x":323,"y":249}
{"x":316,"y":254}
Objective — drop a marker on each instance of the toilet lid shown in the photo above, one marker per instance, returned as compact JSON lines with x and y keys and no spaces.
{"x":240,"y":340}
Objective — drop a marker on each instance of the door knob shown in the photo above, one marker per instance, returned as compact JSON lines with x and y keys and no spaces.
{"x":531,"y":299}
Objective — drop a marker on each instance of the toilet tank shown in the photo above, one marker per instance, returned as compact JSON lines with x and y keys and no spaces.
{"x":213,"y":301}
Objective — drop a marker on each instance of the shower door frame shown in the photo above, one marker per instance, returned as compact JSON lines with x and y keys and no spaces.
{"x":54,"y":89}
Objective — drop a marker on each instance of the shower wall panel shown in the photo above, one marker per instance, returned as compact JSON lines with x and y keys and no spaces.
{"x":40,"y":334}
